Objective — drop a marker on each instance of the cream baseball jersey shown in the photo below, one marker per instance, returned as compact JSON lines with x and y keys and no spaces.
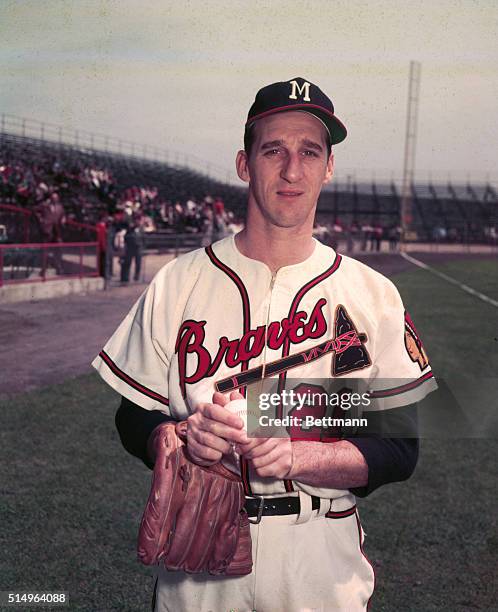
{"x":215,"y":315}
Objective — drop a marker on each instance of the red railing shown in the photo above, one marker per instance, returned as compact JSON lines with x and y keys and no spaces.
{"x":28,"y":215}
{"x":32,"y":263}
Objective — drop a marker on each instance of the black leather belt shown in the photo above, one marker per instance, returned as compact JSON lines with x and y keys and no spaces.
{"x":256,"y":506}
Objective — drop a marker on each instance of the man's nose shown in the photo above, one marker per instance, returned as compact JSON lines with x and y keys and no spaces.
{"x":292,"y":169}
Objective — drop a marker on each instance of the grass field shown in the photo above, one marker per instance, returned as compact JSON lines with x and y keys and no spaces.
{"x":480,"y":274}
{"x":459,"y":331}
{"x":72,"y":498}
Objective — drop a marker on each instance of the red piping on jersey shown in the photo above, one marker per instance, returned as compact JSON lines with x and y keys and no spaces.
{"x":246,"y":317}
{"x":130,"y":381}
{"x":297,"y":299}
{"x":402,"y":388}
{"x":292,"y":312}
{"x":246,"y":310}
{"x":366,"y":558}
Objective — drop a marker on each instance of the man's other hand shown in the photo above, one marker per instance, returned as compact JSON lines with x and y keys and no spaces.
{"x":212,"y":430}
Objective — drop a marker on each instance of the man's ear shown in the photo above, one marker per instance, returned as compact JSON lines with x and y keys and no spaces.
{"x":242,"y":165}
{"x":330,"y":169}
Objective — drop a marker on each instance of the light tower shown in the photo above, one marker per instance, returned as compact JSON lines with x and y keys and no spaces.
{"x":410,"y":144}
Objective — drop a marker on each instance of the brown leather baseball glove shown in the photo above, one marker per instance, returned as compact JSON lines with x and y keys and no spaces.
{"x":194,"y":518}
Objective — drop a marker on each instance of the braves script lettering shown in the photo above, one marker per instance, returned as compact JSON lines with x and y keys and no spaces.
{"x":192,"y":333}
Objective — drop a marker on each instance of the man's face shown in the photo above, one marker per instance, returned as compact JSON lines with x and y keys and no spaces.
{"x":286,"y":169}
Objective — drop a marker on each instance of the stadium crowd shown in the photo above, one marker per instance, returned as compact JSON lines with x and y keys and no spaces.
{"x":60,"y":191}
{"x":59,"y":186}
{"x":88,"y":194}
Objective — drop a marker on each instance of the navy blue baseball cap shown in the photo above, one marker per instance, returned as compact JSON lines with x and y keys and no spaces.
{"x":297,"y":95}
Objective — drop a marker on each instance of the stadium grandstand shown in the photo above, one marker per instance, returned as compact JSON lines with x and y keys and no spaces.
{"x":92,"y":180}
{"x":450,"y":212}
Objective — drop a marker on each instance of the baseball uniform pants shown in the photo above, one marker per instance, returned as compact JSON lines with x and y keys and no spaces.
{"x":301,"y":564}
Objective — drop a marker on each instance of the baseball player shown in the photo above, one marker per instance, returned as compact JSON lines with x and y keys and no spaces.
{"x":250,"y":300}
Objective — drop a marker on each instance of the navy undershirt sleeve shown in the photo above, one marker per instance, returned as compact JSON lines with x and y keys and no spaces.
{"x":135,"y":424}
{"x":390,"y":447}
{"x":389,"y":459}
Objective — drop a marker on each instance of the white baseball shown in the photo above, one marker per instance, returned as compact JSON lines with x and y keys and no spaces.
{"x":239,"y":407}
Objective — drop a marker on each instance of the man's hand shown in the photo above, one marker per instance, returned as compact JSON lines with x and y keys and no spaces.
{"x":211,"y":429}
{"x":271,"y":457}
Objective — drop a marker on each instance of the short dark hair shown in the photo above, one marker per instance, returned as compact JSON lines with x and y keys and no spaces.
{"x":249,"y":140}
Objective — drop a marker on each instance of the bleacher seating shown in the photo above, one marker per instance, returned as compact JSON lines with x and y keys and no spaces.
{"x":460,"y":212}
{"x":173,"y":183}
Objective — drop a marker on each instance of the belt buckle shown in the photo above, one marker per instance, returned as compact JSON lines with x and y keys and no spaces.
{"x":260,"y":509}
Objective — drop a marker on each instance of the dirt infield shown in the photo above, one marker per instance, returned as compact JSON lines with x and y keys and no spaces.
{"x":48,"y":341}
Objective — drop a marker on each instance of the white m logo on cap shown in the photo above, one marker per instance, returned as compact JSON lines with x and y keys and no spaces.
{"x":304,"y":89}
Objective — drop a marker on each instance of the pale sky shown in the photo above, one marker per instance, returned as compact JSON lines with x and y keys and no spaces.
{"x":182,"y":75}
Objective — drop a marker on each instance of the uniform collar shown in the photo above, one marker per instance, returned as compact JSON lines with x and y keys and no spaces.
{"x":320,"y":259}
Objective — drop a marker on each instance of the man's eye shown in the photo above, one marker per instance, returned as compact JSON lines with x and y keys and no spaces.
{"x":310,"y":153}
{"x":270,"y":152}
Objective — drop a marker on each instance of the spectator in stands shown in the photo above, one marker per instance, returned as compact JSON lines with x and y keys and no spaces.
{"x":439,"y":233}
{"x":165,"y":213}
{"x":133,"y":248}
{"x":219,"y":207}
{"x":366,"y":238}
{"x":178,"y":217}
{"x":394,"y":235}
{"x":9,"y":181}
{"x":42,"y":191}
{"x":191,"y":205}
{"x":491,"y":233}
{"x":377,"y":235}
{"x":208,"y":226}
{"x":348,"y":233}
{"x":103,"y":230}
{"x":119,"y":242}
{"x":51,"y":217}
{"x":219,"y":227}
{"x":148,"y":224}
